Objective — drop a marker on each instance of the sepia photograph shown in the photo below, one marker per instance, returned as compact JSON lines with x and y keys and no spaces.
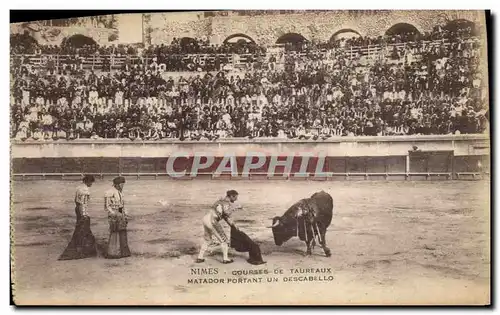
{"x":250,"y":157}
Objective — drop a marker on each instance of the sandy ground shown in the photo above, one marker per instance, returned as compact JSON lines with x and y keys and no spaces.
{"x":393,"y":242}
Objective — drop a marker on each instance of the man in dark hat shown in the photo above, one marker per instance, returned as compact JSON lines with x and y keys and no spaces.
{"x":118,"y":220}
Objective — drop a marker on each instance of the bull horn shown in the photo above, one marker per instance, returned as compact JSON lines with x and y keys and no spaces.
{"x":274,"y":225}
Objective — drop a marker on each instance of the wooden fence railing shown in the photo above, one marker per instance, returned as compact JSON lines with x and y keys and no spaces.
{"x":115,"y":62}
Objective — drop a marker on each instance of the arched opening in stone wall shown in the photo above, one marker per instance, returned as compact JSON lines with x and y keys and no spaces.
{"x":78,"y":41}
{"x":344,"y":33}
{"x":462,"y":27}
{"x":291,"y":38}
{"x":292,"y":41}
{"x":402,"y":32}
{"x":23,"y":43}
{"x":188,"y":45}
{"x":187,"y":41}
{"x":240,"y":43}
{"x":342,"y":36}
{"x":238,"y":38}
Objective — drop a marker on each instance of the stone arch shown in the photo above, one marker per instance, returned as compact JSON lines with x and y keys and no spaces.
{"x":291,"y":38}
{"x":23,"y":41}
{"x":188,"y":44}
{"x":187,"y":40}
{"x":460,"y":24}
{"x":338,"y":33}
{"x":234,"y":36}
{"x":78,"y":41}
{"x":402,"y":28}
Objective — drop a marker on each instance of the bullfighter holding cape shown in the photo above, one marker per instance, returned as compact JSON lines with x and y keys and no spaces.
{"x":213,"y":231}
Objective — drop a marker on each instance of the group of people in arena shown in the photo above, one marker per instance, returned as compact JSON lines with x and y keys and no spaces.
{"x":426,"y":87}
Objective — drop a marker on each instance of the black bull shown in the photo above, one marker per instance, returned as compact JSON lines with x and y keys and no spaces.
{"x":308,"y":219}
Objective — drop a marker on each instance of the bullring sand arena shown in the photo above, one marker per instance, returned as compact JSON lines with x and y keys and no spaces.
{"x":392,"y":242}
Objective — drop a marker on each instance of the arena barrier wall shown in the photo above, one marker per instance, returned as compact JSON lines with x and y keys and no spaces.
{"x":346,"y":158}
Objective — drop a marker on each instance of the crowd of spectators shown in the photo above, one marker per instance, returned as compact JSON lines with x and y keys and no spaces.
{"x":84,"y":46}
{"x":420,"y":89}
{"x":407,"y":36}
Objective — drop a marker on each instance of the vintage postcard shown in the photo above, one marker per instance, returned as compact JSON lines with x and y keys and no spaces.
{"x":251,"y":158}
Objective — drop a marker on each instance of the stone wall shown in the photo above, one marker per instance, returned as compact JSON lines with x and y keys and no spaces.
{"x":53,"y":35}
{"x":164,"y":27}
{"x":266,"y":29}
